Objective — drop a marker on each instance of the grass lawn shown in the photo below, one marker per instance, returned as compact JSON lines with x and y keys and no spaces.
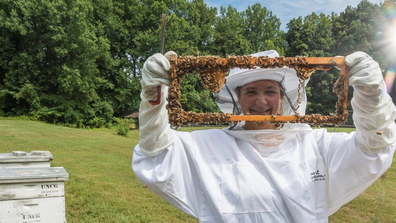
{"x":102,"y":186}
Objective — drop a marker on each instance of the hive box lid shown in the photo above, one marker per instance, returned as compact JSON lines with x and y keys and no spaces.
{"x":21,"y":156}
{"x":23,"y":175}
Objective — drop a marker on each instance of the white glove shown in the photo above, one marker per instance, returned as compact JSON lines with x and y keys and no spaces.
{"x":155,"y":134}
{"x":374,"y":112}
{"x":155,"y":72}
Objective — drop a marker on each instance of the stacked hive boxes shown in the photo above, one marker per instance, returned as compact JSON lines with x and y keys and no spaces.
{"x":31,"y":191}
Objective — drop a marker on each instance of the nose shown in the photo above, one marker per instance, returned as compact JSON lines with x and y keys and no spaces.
{"x":261,"y":100}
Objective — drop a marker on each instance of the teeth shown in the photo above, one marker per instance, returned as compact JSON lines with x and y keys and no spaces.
{"x":261,"y":111}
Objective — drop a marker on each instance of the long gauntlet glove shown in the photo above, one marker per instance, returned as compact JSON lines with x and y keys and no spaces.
{"x":155,"y":133}
{"x":373,"y":110}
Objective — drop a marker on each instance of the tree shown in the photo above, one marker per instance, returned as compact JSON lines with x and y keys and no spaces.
{"x":228,"y":36}
{"x":262,"y":30}
{"x":79,"y":62}
{"x":312,"y":37}
{"x":119,"y":71}
{"x":195,"y":97}
{"x":356,"y":28}
{"x":50,"y":68}
{"x":200,"y":19}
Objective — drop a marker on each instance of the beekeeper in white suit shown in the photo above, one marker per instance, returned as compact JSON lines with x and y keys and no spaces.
{"x":260,"y":172}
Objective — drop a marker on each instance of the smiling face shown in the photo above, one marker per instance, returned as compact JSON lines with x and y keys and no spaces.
{"x":260,"y":98}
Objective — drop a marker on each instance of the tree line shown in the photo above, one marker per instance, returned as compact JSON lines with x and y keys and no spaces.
{"x":79,"y":62}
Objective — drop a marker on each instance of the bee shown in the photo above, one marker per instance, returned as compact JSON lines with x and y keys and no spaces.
{"x":213,"y":70}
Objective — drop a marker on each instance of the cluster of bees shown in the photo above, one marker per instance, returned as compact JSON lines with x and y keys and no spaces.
{"x":213,"y":70}
{"x":317,"y":119}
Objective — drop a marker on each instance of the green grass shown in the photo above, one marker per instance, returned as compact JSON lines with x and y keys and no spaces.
{"x":103,"y":188}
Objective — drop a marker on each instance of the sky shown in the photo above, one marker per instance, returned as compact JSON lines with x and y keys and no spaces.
{"x":286,"y":10}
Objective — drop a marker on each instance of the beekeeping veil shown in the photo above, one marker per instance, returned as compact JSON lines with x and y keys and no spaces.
{"x":267,"y":140}
{"x":228,"y":101}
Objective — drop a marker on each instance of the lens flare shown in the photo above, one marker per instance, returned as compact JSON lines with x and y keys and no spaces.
{"x":390,"y":78}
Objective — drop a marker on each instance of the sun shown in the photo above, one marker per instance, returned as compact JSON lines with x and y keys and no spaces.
{"x":387,"y":45}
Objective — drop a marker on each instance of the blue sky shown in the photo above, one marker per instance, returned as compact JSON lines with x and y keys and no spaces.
{"x":286,"y":10}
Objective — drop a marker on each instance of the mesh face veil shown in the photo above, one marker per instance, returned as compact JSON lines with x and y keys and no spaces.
{"x":227,"y":99}
{"x":265,"y":141}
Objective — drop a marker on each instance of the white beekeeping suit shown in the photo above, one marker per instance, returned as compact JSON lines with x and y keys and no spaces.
{"x":292,"y":174}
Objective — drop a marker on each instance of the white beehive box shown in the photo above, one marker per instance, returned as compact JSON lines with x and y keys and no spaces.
{"x":33,"y":210}
{"x":21,"y":159}
{"x":29,"y":195}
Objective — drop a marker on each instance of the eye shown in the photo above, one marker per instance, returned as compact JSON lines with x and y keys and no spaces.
{"x":271,"y":92}
{"x":250,"y":92}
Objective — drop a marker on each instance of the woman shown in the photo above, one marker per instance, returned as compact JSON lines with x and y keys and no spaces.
{"x":261,"y":172}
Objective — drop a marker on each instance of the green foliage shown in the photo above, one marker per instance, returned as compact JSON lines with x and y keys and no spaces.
{"x":356,"y":28}
{"x":195,"y":97}
{"x":201,"y":19}
{"x":80,"y":62}
{"x":123,"y":126}
{"x":29,"y":94}
{"x":321,"y":98}
{"x":97,"y":122}
{"x":228,"y":36}
{"x":312,"y":37}
{"x":262,"y":30}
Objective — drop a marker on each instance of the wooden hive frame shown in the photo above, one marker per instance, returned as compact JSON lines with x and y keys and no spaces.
{"x":213,"y":70}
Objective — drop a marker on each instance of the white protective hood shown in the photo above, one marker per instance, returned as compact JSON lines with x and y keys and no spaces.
{"x":266,"y":141}
{"x":286,"y":76}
